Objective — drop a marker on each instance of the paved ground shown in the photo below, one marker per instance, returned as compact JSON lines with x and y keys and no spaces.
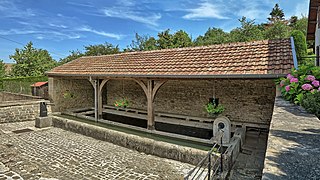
{"x":55,"y":153}
{"x":249,"y":164}
{"x":293,"y":150}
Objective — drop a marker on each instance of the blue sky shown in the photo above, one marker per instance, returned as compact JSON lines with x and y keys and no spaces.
{"x":60,"y":26}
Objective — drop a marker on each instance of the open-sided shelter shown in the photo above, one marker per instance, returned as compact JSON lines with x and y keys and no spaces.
{"x":179,"y":81}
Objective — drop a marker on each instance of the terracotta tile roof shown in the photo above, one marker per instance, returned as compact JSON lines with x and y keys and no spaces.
{"x":268,"y":57}
{"x":39,"y":84}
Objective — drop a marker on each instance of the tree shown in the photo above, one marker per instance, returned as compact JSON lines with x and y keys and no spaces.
{"x":142,"y":43}
{"x":31,"y":61}
{"x":181,"y":39}
{"x":150,"y":44}
{"x":276,"y":14}
{"x":2,"y":69}
{"x":165,"y":40}
{"x":74,"y":55}
{"x":101,"y":49}
{"x":300,"y":44}
{"x":212,"y":36}
{"x":247,"y":32}
{"x":277,"y":30}
{"x":300,"y":24}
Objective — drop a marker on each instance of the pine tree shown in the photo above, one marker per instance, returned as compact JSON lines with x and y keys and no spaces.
{"x":276,"y":14}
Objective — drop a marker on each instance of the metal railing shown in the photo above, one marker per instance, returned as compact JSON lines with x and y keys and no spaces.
{"x":211,"y":166}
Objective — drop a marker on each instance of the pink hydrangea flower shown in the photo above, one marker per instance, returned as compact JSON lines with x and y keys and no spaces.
{"x":288,"y":88}
{"x":310,"y":78}
{"x":282,"y":83}
{"x":319,"y":89}
{"x":289,"y":76}
{"x":293,"y":80}
{"x":306,"y":87}
{"x":315,"y":83}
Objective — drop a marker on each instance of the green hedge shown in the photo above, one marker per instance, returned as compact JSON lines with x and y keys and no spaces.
{"x":311,"y":102}
{"x":20,"y":84}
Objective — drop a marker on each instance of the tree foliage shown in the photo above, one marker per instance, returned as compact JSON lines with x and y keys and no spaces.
{"x":181,"y":39}
{"x":31,"y":61}
{"x":142,"y":43}
{"x":101,"y":49}
{"x":212,"y":36}
{"x":276,"y":14}
{"x":277,"y":30}
{"x":74,"y":55}
{"x":2,"y":69}
{"x":248,"y":31}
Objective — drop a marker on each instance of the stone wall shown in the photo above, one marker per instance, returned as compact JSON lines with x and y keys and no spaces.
{"x":244,"y":100}
{"x":141,"y":144}
{"x":249,"y":101}
{"x":17,"y":111}
{"x":8,"y":96}
{"x":70,"y":93}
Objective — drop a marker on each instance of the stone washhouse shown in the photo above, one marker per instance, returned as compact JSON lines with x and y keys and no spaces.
{"x":178,"y":82}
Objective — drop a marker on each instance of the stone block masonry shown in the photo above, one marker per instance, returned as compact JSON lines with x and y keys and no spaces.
{"x":9,"y":96}
{"x":17,"y":111}
{"x":70,"y":93}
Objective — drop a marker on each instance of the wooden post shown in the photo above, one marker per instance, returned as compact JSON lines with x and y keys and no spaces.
{"x":95,"y":83}
{"x":150,"y":90}
{"x":151,"y":123}
{"x":100,"y":105}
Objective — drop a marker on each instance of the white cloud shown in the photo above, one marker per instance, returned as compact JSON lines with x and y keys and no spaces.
{"x":205,"y":10}
{"x":42,"y":34}
{"x":126,"y":2}
{"x":57,"y":25}
{"x":17,"y":32}
{"x":89,"y":5}
{"x":10,"y":9}
{"x":102,"y":33}
{"x":128,"y":13}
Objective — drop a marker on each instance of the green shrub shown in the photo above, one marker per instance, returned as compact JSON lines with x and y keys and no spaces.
{"x":311,"y":102}
{"x":214,"y":109}
{"x":20,"y":84}
{"x":122,"y":103}
{"x":302,"y":87}
{"x":300,"y":45}
{"x":300,"y":82}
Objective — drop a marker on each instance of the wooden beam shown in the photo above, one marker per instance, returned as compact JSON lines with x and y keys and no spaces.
{"x":143,"y":86}
{"x":157,"y":87}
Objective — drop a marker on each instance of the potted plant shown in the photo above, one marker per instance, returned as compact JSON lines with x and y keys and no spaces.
{"x":123,"y":103}
{"x":213,"y":109}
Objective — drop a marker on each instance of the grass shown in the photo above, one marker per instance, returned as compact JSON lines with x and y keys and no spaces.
{"x":156,"y":137}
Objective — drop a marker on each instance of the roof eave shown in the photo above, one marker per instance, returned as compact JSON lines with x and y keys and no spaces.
{"x":220,"y":76}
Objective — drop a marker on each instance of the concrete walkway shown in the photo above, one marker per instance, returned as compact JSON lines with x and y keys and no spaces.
{"x":293,"y":150}
{"x":59,"y":154}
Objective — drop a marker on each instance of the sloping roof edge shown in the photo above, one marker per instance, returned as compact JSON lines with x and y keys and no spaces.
{"x":312,"y":19}
{"x":222,"y":76}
